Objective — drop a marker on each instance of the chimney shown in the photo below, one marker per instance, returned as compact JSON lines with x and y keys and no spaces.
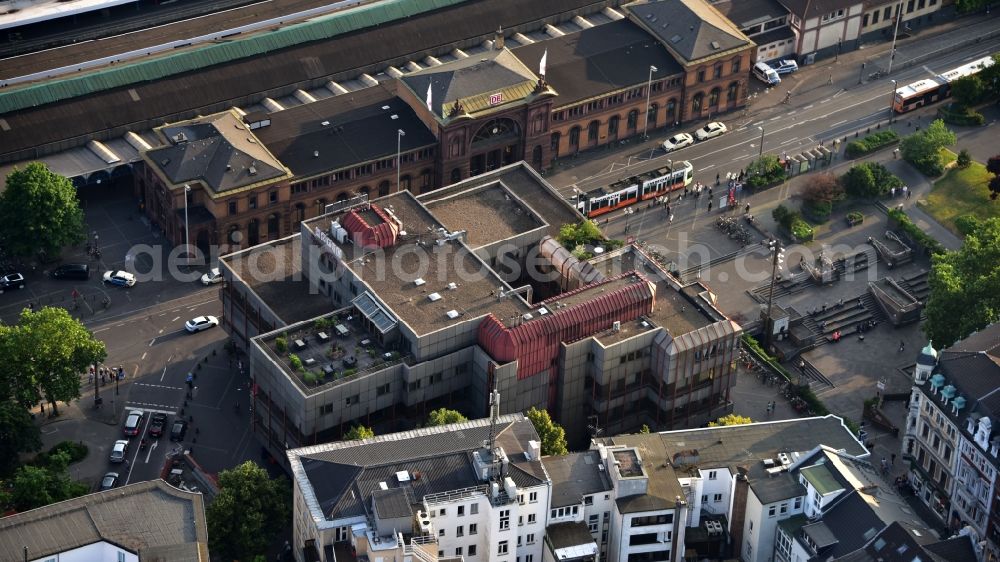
{"x":498,"y":39}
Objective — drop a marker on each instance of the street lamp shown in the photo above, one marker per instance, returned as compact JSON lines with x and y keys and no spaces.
{"x":187,"y":240}
{"x":399,"y":143}
{"x":761,"y":154}
{"x":628,"y":213}
{"x":892,"y":99}
{"x":895,"y":31}
{"x":778,"y":256}
{"x":649,"y":90}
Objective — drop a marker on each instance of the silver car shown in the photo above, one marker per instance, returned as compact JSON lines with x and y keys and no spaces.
{"x":119,"y":450}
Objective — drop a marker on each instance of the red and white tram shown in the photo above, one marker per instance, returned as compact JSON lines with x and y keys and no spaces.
{"x":637,"y":188}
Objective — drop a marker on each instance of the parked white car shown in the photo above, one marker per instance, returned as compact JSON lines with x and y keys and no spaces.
{"x":786,"y":66}
{"x":212,"y":277}
{"x":680,"y":140}
{"x":710,"y":131}
{"x":119,"y":278}
{"x":201,"y":323}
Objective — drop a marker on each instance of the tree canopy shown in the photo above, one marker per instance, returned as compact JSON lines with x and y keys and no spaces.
{"x":359,"y":432}
{"x":731,"y":419}
{"x":39,"y":212}
{"x":37,"y":486}
{"x":444,"y":416}
{"x":968,"y":90}
{"x":18,"y":434}
{"x":965,"y":286}
{"x":248,"y":513}
{"x":552,"y":434}
{"x":922,"y":148}
{"x":43,"y":355}
{"x":585,"y":232}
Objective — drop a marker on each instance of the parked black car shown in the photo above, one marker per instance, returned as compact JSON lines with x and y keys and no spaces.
{"x":157,"y":424}
{"x":11,"y":281}
{"x":178,"y":431}
{"x":79,"y":271}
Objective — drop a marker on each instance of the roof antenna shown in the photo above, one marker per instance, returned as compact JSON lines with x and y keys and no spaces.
{"x":494,"y":414}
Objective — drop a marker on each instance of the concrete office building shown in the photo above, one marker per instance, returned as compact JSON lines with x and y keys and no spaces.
{"x":431,"y":301}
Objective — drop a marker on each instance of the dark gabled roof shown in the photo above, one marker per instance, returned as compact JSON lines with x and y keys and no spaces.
{"x":747,"y":13}
{"x":218,"y":151}
{"x":472,"y":81}
{"x":819,"y":534}
{"x":779,"y":34}
{"x":215,"y":88}
{"x":360,"y":129}
{"x":806,"y":9}
{"x":575,"y":475}
{"x":691,"y":30}
{"x":340,"y":479}
{"x":851,"y":522}
{"x":955,"y":549}
{"x":565,"y":535}
{"x":599,"y":60}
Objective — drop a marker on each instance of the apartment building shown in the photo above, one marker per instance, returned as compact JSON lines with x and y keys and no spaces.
{"x":950,"y":440}
{"x":580,"y":500}
{"x":470,"y":491}
{"x":381,"y":311}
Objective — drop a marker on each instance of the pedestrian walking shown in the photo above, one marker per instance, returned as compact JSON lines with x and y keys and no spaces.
{"x":710,"y":206}
{"x":895,"y":153}
{"x":902,"y":345}
{"x":746,"y":210}
{"x":892,"y":192}
{"x":906,"y":192}
{"x":893,"y":461}
{"x":716,"y":180}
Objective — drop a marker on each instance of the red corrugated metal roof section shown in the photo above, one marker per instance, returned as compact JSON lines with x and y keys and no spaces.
{"x":367,"y":236}
{"x":535,"y":344}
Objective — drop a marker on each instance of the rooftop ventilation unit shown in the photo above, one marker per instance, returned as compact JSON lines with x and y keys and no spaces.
{"x":543,"y":311}
{"x":383,"y":486}
{"x":783,"y":458}
{"x":394,"y":117}
{"x":325,"y":123}
{"x":434,"y":297}
{"x":715,"y":44}
{"x":419,"y":281}
{"x":453,"y":314}
{"x":252,"y":171}
{"x":403,"y":476}
{"x":452,"y":286}
{"x":527,"y":316}
{"x":617,"y":326}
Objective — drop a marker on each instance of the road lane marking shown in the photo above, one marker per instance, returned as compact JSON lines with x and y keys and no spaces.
{"x":839,"y":123}
{"x":151,"y":342}
{"x":810,"y":106}
{"x":153,"y":408}
{"x":151,"y":448}
{"x":143,"y":358}
{"x":174,"y":320}
{"x":793,"y":139}
{"x":159,"y":386}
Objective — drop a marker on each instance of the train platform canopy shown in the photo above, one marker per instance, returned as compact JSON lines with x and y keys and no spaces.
{"x":17,"y":13}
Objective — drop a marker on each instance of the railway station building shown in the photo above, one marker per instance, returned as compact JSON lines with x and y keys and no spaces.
{"x":380,"y":311}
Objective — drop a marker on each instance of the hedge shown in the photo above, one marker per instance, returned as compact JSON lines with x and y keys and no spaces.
{"x":801,"y":230}
{"x":871,"y":143}
{"x":914,"y":232}
{"x":963,"y":118}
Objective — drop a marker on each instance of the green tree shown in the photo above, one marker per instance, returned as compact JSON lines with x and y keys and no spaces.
{"x":644,"y":429}
{"x":966,"y":224}
{"x":359,"y":432}
{"x":444,"y":416}
{"x":860,"y":182}
{"x":37,"y":486}
{"x":18,"y":434}
{"x":552,"y":435}
{"x":731,"y":419}
{"x":765,"y":171}
{"x":248,"y":513}
{"x":584,"y":232}
{"x":991,"y":79}
{"x":39,"y":212}
{"x":964,"y":159}
{"x":922,"y":148}
{"x":968,"y":90}
{"x":965,"y":286}
{"x":51,"y":349}
{"x":966,"y":6}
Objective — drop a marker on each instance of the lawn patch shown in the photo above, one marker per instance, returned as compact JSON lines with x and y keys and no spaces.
{"x":962,"y":191}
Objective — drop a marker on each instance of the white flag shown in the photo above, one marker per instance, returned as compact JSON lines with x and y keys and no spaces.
{"x":429,"y":104}
{"x":541,"y":65}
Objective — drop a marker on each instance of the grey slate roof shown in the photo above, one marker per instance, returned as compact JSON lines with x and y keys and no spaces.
{"x":218,"y":151}
{"x":896,"y":544}
{"x":360,"y":129}
{"x":575,"y":475}
{"x":846,"y":526}
{"x":149,"y":518}
{"x":955,"y":549}
{"x":819,"y":534}
{"x":564,"y":535}
{"x":391,"y":503}
{"x":691,"y":29}
{"x":806,"y":9}
{"x":598,"y":60}
{"x":338,"y":479}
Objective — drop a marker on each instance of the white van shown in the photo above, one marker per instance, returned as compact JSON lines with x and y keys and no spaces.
{"x":766,"y":74}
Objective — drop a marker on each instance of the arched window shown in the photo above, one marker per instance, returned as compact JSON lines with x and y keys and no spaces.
{"x":404,"y":183}
{"x":734,"y":91}
{"x":554,"y":144}
{"x":342,"y":196}
{"x":456,"y":147}
{"x":613,"y":126}
{"x":425,"y":179}
{"x":593,"y":131}
{"x":696,"y":102}
{"x":671,"y":110}
{"x":300,"y":212}
{"x":713,"y":97}
{"x":633,"y":119}
{"x":366,"y":191}
{"x":383,"y":188}
{"x":456,"y":175}
{"x":497,"y":129}
{"x":651,"y":116}
{"x":574,"y":137}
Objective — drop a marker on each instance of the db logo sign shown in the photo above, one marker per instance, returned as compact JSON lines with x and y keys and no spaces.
{"x":496,"y":98}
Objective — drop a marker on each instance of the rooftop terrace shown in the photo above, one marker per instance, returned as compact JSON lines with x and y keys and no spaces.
{"x":327,"y":351}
